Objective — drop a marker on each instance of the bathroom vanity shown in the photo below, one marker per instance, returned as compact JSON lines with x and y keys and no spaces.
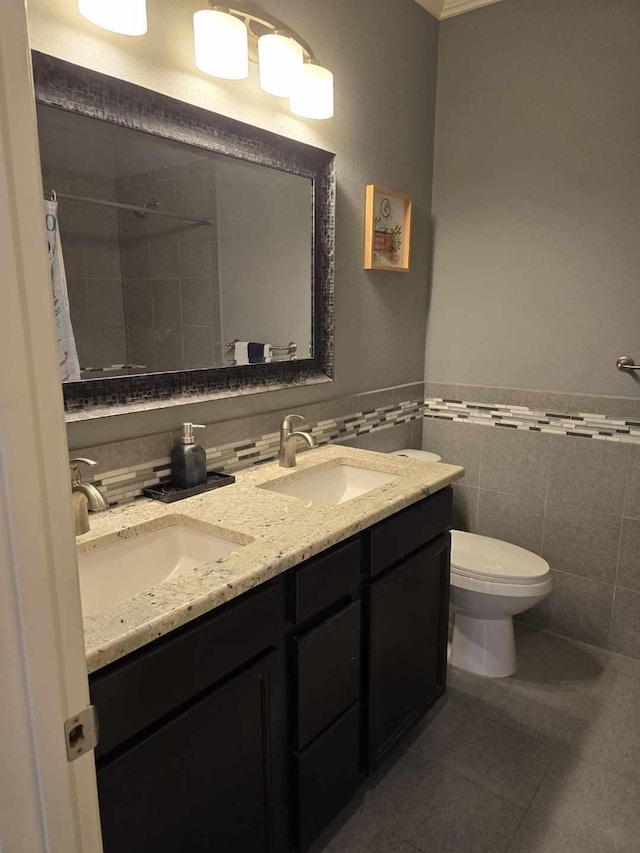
{"x":248,"y":727}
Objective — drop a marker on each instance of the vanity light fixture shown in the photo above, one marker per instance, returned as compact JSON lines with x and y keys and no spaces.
{"x":312,"y":94}
{"x":221,"y":43}
{"x":280,"y":59}
{"x":226,"y":39}
{"x":128,"y":17}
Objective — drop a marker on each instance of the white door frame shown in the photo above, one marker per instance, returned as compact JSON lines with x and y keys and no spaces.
{"x":46,"y":803}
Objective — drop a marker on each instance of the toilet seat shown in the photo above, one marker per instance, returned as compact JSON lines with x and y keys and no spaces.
{"x":491,"y":561}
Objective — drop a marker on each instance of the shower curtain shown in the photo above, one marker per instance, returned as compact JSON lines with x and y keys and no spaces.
{"x":67,"y":352}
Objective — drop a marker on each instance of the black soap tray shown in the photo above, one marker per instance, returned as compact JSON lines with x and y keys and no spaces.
{"x":168,"y":493}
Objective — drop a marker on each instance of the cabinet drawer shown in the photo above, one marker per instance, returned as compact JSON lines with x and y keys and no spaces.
{"x":134,"y":693}
{"x":400,"y":535}
{"x":329,"y":774}
{"x":327,"y":661}
{"x":327,"y":579}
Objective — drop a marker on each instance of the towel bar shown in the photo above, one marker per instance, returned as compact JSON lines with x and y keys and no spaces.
{"x":625,"y":362}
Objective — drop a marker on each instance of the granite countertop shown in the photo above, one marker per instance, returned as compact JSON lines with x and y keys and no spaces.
{"x":275,"y":532}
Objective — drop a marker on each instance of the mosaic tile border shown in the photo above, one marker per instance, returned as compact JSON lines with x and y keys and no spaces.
{"x":581,"y":425}
{"x":125,"y":484}
{"x":80,"y":90}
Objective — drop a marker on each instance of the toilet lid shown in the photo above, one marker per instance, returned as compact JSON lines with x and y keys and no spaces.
{"x":482,"y":557}
{"x":418,"y":455}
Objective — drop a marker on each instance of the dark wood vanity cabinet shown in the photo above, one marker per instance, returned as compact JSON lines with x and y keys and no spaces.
{"x":193,"y":749}
{"x":408,"y":606}
{"x":250,"y":728}
{"x":326,"y":646}
{"x":408,"y":621}
{"x":202,"y":780}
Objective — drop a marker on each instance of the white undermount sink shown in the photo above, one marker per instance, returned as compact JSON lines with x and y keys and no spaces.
{"x":333,"y":486}
{"x":137,"y":563}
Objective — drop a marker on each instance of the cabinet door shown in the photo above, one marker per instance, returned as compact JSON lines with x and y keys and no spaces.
{"x":205,"y":780}
{"x":407,"y":644}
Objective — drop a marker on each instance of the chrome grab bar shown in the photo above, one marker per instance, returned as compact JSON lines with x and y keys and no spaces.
{"x":625,"y":362}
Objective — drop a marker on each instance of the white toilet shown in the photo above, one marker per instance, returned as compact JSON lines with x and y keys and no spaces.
{"x":491,"y":581}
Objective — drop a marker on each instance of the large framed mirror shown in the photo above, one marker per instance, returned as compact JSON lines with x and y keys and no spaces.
{"x":192,"y":255}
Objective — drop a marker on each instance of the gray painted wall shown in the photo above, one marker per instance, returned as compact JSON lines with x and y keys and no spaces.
{"x":265,"y":249}
{"x":384,"y":57}
{"x":536,"y":280}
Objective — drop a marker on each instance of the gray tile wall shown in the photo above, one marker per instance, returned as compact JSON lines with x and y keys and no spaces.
{"x":89,"y":236}
{"x":573,"y":500}
{"x":170,"y":269}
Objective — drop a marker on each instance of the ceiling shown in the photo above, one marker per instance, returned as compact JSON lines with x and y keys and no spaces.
{"x":442,"y":9}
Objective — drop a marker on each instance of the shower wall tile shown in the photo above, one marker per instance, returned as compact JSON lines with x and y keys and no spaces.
{"x":138,"y":301}
{"x":104,"y":302}
{"x":134,"y":256}
{"x":167,"y":307}
{"x":89,"y":238}
{"x":199,"y":346}
{"x":198,"y":307}
{"x":163,"y":254}
{"x":102,"y":256}
{"x":168,"y":347}
{"x":178,"y":259}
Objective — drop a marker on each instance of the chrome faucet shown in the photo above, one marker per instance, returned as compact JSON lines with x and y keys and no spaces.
{"x":288,"y":438}
{"x":86,"y":497}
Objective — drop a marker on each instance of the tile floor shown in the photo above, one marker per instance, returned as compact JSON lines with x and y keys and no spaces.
{"x":547,"y":761}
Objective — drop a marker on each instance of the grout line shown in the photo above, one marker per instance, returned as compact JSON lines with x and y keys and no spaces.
{"x":615,"y":584}
{"x":515,"y":831}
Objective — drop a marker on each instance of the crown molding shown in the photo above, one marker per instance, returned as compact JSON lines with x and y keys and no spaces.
{"x":458,"y":7}
{"x":433,"y":6}
{"x":442,"y":9}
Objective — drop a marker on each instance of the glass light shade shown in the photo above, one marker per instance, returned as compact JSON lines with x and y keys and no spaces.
{"x":222,"y":44}
{"x":312,"y":92}
{"x":280,"y":58}
{"x":128,"y":17}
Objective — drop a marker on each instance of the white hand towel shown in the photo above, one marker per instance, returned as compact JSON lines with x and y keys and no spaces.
{"x":241,"y":352}
{"x":267,"y":352}
{"x":67,"y":352}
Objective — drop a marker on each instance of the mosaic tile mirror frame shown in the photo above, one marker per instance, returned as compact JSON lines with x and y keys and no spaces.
{"x":88,"y":93}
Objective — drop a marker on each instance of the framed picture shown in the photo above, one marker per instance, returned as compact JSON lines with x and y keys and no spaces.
{"x":387,"y":224}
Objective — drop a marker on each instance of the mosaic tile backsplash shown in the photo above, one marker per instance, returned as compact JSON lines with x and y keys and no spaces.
{"x":585,"y":425}
{"x":124,"y":484}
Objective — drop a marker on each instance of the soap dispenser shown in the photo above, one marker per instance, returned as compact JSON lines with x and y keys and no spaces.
{"x":188,"y":460}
